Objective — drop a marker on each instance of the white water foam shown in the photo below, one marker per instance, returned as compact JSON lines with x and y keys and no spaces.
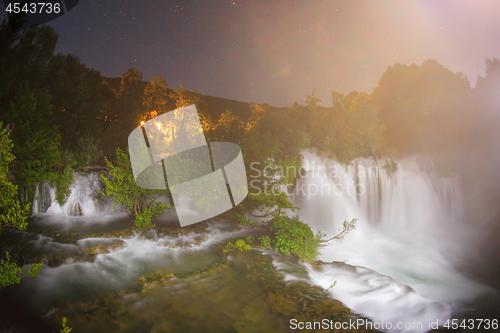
{"x":400,"y":260}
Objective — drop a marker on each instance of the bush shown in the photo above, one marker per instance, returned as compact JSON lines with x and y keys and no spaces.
{"x":139,"y":202}
{"x":11,"y":273}
{"x":265,"y":241}
{"x":239,"y":244}
{"x":295,"y":237}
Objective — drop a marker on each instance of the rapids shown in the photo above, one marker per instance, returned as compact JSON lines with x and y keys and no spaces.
{"x":400,"y":265}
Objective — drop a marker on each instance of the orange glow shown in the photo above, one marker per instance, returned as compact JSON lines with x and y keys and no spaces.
{"x":142,"y":123}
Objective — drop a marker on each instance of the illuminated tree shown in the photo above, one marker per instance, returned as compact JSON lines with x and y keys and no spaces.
{"x":11,"y":214}
{"x":155,"y":98}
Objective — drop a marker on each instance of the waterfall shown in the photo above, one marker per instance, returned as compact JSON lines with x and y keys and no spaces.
{"x":409,"y":236}
{"x":83,"y":200}
{"x":413,"y":196}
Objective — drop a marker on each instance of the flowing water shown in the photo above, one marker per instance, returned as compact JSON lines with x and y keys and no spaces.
{"x":400,"y":265}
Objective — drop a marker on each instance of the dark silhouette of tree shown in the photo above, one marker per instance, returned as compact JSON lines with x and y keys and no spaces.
{"x":423,"y":108}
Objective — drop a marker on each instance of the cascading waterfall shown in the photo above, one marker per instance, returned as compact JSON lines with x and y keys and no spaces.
{"x":398,"y":265}
{"x":83,"y":200}
{"x":411,"y":196}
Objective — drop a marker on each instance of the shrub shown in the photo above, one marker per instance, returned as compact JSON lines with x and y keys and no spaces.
{"x":295,"y":237}
{"x":140,"y":202}
{"x":265,"y":241}
{"x":11,"y":273}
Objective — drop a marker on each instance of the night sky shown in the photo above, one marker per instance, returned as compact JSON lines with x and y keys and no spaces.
{"x":276,"y":52}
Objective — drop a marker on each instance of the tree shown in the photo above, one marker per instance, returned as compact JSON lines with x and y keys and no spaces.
{"x":36,"y":142}
{"x":141,"y":203}
{"x":11,"y":214}
{"x":129,"y":99}
{"x":127,"y":112}
{"x":25,"y":105}
{"x":155,"y":98}
{"x":228,"y":128}
{"x":312,"y":100}
{"x":351,"y":128}
{"x":423,"y":108}
{"x":183,"y":97}
{"x":258,"y":111}
{"x":48,"y":101}
{"x":80,"y":97}
{"x":10,"y":209}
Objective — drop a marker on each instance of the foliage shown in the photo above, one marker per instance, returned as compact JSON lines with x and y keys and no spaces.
{"x":138,"y":201}
{"x":127,"y":110}
{"x":240,"y":245}
{"x":63,"y":176}
{"x":266,"y":182}
{"x":257,"y":112}
{"x":36,"y":142}
{"x":249,"y":239}
{"x":155,"y":98}
{"x":183,"y":97}
{"x":243,"y":220}
{"x":48,"y":100}
{"x":143,"y":218}
{"x":66,"y":329}
{"x":88,"y":149}
{"x":312,"y":100}
{"x":11,"y":273}
{"x":349,"y":130}
{"x":228,"y":128}
{"x":11,"y":213}
{"x":291,"y":236}
{"x":81,"y":100}
{"x":347,"y":227}
{"x":265,"y":241}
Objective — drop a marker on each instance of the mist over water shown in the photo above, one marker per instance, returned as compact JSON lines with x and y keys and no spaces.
{"x":401,"y":263}
{"x":406,"y":262}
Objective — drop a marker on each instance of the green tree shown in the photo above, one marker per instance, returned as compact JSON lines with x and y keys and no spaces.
{"x":11,"y":273}
{"x":292,"y":236}
{"x":48,"y":101}
{"x":10,"y":209}
{"x":37,"y":143}
{"x":141,"y":203}
{"x":88,"y":150}
{"x":11,"y":214}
